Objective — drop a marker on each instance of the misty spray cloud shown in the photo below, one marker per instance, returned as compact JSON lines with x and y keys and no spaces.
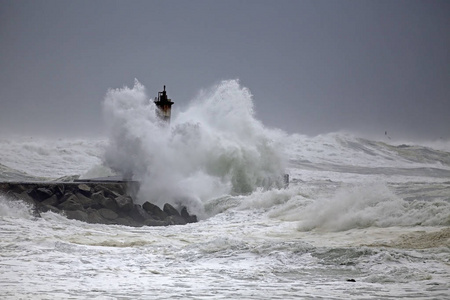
{"x":214,"y":147}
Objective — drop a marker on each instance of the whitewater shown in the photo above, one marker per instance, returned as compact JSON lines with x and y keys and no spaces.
{"x":361,"y":218}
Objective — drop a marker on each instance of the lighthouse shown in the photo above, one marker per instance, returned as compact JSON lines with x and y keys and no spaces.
{"x":164,"y":106}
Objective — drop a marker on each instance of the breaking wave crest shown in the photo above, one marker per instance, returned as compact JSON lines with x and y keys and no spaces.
{"x":14,"y":209}
{"x":215,"y":147}
{"x":370,"y":205}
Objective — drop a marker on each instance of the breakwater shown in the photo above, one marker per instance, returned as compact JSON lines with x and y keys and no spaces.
{"x":107,"y":202}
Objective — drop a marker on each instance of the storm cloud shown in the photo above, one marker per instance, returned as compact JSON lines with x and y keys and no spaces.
{"x":312,"y":66}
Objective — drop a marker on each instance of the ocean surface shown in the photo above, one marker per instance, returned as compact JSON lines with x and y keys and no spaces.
{"x":360,"y":219}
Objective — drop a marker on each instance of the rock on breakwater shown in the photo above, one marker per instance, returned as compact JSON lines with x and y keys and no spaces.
{"x":94,"y":202}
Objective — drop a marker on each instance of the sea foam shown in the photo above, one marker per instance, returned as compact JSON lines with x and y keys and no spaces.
{"x":215,"y":147}
{"x":370,"y":205}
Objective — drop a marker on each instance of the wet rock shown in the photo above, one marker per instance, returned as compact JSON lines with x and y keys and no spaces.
{"x":18,"y":188}
{"x":60,"y":189}
{"x":118,"y":189}
{"x":110,"y":204}
{"x":184,"y":213}
{"x":66,"y":196}
{"x":189,"y":218}
{"x":76,"y":215}
{"x":71,"y":203}
{"x":33,"y":194}
{"x":53,"y":201}
{"x":138,"y":214}
{"x":108,"y":214}
{"x":84,"y":189}
{"x":155,"y":211}
{"x":192,"y":219}
{"x":94,"y":217}
{"x":43,"y":193}
{"x":170,"y":210}
{"x":104,"y":201}
{"x":176,"y":220}
{"x":124,"y":203}
{"x":86,"y":202}
{"x":5,"y":187}
{"x":112,"y":192}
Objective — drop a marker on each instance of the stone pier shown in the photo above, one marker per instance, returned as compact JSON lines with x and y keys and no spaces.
{"x":94,"y":201}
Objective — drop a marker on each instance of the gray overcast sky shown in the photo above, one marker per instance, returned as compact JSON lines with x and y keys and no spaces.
{"x":312,"y":66}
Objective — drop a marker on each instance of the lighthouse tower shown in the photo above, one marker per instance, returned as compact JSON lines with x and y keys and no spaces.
{"x":164,"y":105}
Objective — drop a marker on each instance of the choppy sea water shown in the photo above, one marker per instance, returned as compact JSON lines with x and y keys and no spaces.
{"x":360,"y":219}
{"x":390,"y":233}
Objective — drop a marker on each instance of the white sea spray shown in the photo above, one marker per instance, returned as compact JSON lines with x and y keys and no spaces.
{"x":356,"y":209}
{"x":213,"y":148}
{"x":370,"y":205}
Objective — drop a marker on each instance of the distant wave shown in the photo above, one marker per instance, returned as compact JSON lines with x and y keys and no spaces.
{"x":10,"y":174}
{"x":347,"y":153}
{"x":49,"y":158}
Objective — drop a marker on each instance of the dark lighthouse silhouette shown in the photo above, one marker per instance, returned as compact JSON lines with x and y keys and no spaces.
{"x":164,"y":106}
